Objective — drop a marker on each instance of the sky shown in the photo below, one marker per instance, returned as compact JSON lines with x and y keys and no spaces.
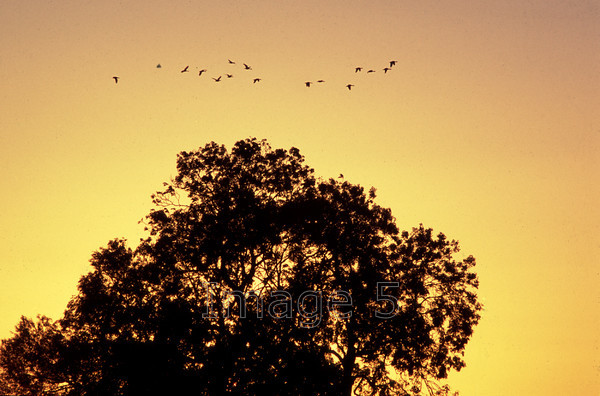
{"x":487,"y":129}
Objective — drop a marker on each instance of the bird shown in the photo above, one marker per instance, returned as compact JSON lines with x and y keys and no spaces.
{"x":247,"y":67}
{"x":392,"y":63}
{"x":217,"y":79}
{"x":370,"y":71}
{"x":320,"y":81}
{"x":116,"y":79}
{"x":385,"y":69}
{"x":349,"y":86}
{"x":231,"y":62}
{"x":308,"y":83}
{"x":185,"y":69}
{"x":357,"y":69}
{"x":256,"y":80}
{"x":202,"y":71}
{"x":229,"y":75}
{"x":158,"y":66}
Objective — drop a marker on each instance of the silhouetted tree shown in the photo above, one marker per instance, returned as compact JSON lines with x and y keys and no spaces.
{"x":30,"y":361}
{"x":257,"y":279}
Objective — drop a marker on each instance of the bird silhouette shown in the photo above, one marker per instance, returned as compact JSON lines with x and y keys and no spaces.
{"x":185,"y":69}
{"x":370,"y":71}
{"x":392,"y":63}
{"x":247,"y":67}
{"x":231,"y":62}
{"x":385,"y":69}
{"x":357,"y":69}
{"x":116,"y":79}
{"x":256,"y":80}
{"x":229,"y":75}
{"x":320,"y":81}
{"x":202,"y":71}
{"x":158,"y":66}
{"x":308,"y":83}
{"x":217,"y":79}
{"x":349,"y":86}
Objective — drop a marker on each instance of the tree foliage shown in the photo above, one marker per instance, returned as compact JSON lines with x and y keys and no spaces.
{"x":256,"y":278}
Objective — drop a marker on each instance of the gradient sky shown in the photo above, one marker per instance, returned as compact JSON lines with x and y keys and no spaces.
{"x":487,"y":129}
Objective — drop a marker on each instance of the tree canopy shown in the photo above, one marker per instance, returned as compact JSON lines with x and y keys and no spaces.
{"x":256,"y":278}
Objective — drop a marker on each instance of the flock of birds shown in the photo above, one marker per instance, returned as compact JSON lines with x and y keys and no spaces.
{"x":255,"y":80}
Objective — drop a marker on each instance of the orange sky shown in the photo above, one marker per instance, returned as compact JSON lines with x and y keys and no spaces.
{"x":487,"y":129}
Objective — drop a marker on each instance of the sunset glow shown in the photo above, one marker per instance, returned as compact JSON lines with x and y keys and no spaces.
{"x":486,"y":129}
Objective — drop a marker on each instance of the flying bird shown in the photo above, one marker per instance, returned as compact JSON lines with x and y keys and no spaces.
{"x":385,"y":69}
{"x":158,"y":66}
{"x":256,"y":80}
{"x":392,"y":63}
{"x":320,"y":81}
{"x":231,"y":62}
{"x":229,"y":75}
{"x":217,"y":79}
{"x":116,"y":79}
{"x":247,"y":67}
{"x":202,"y":71}
{"x":308,"y":83}
{"x":356,"y":70}
{"x":370,"y":71}
{"x":186,"y":69}
{"x":349,"y":86}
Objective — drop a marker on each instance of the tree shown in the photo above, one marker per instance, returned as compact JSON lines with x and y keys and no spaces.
{"x":29,"y":361}
{"x":259,"y":278}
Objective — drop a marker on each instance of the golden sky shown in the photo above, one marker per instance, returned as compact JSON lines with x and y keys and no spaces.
{"x":487,"y":129}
